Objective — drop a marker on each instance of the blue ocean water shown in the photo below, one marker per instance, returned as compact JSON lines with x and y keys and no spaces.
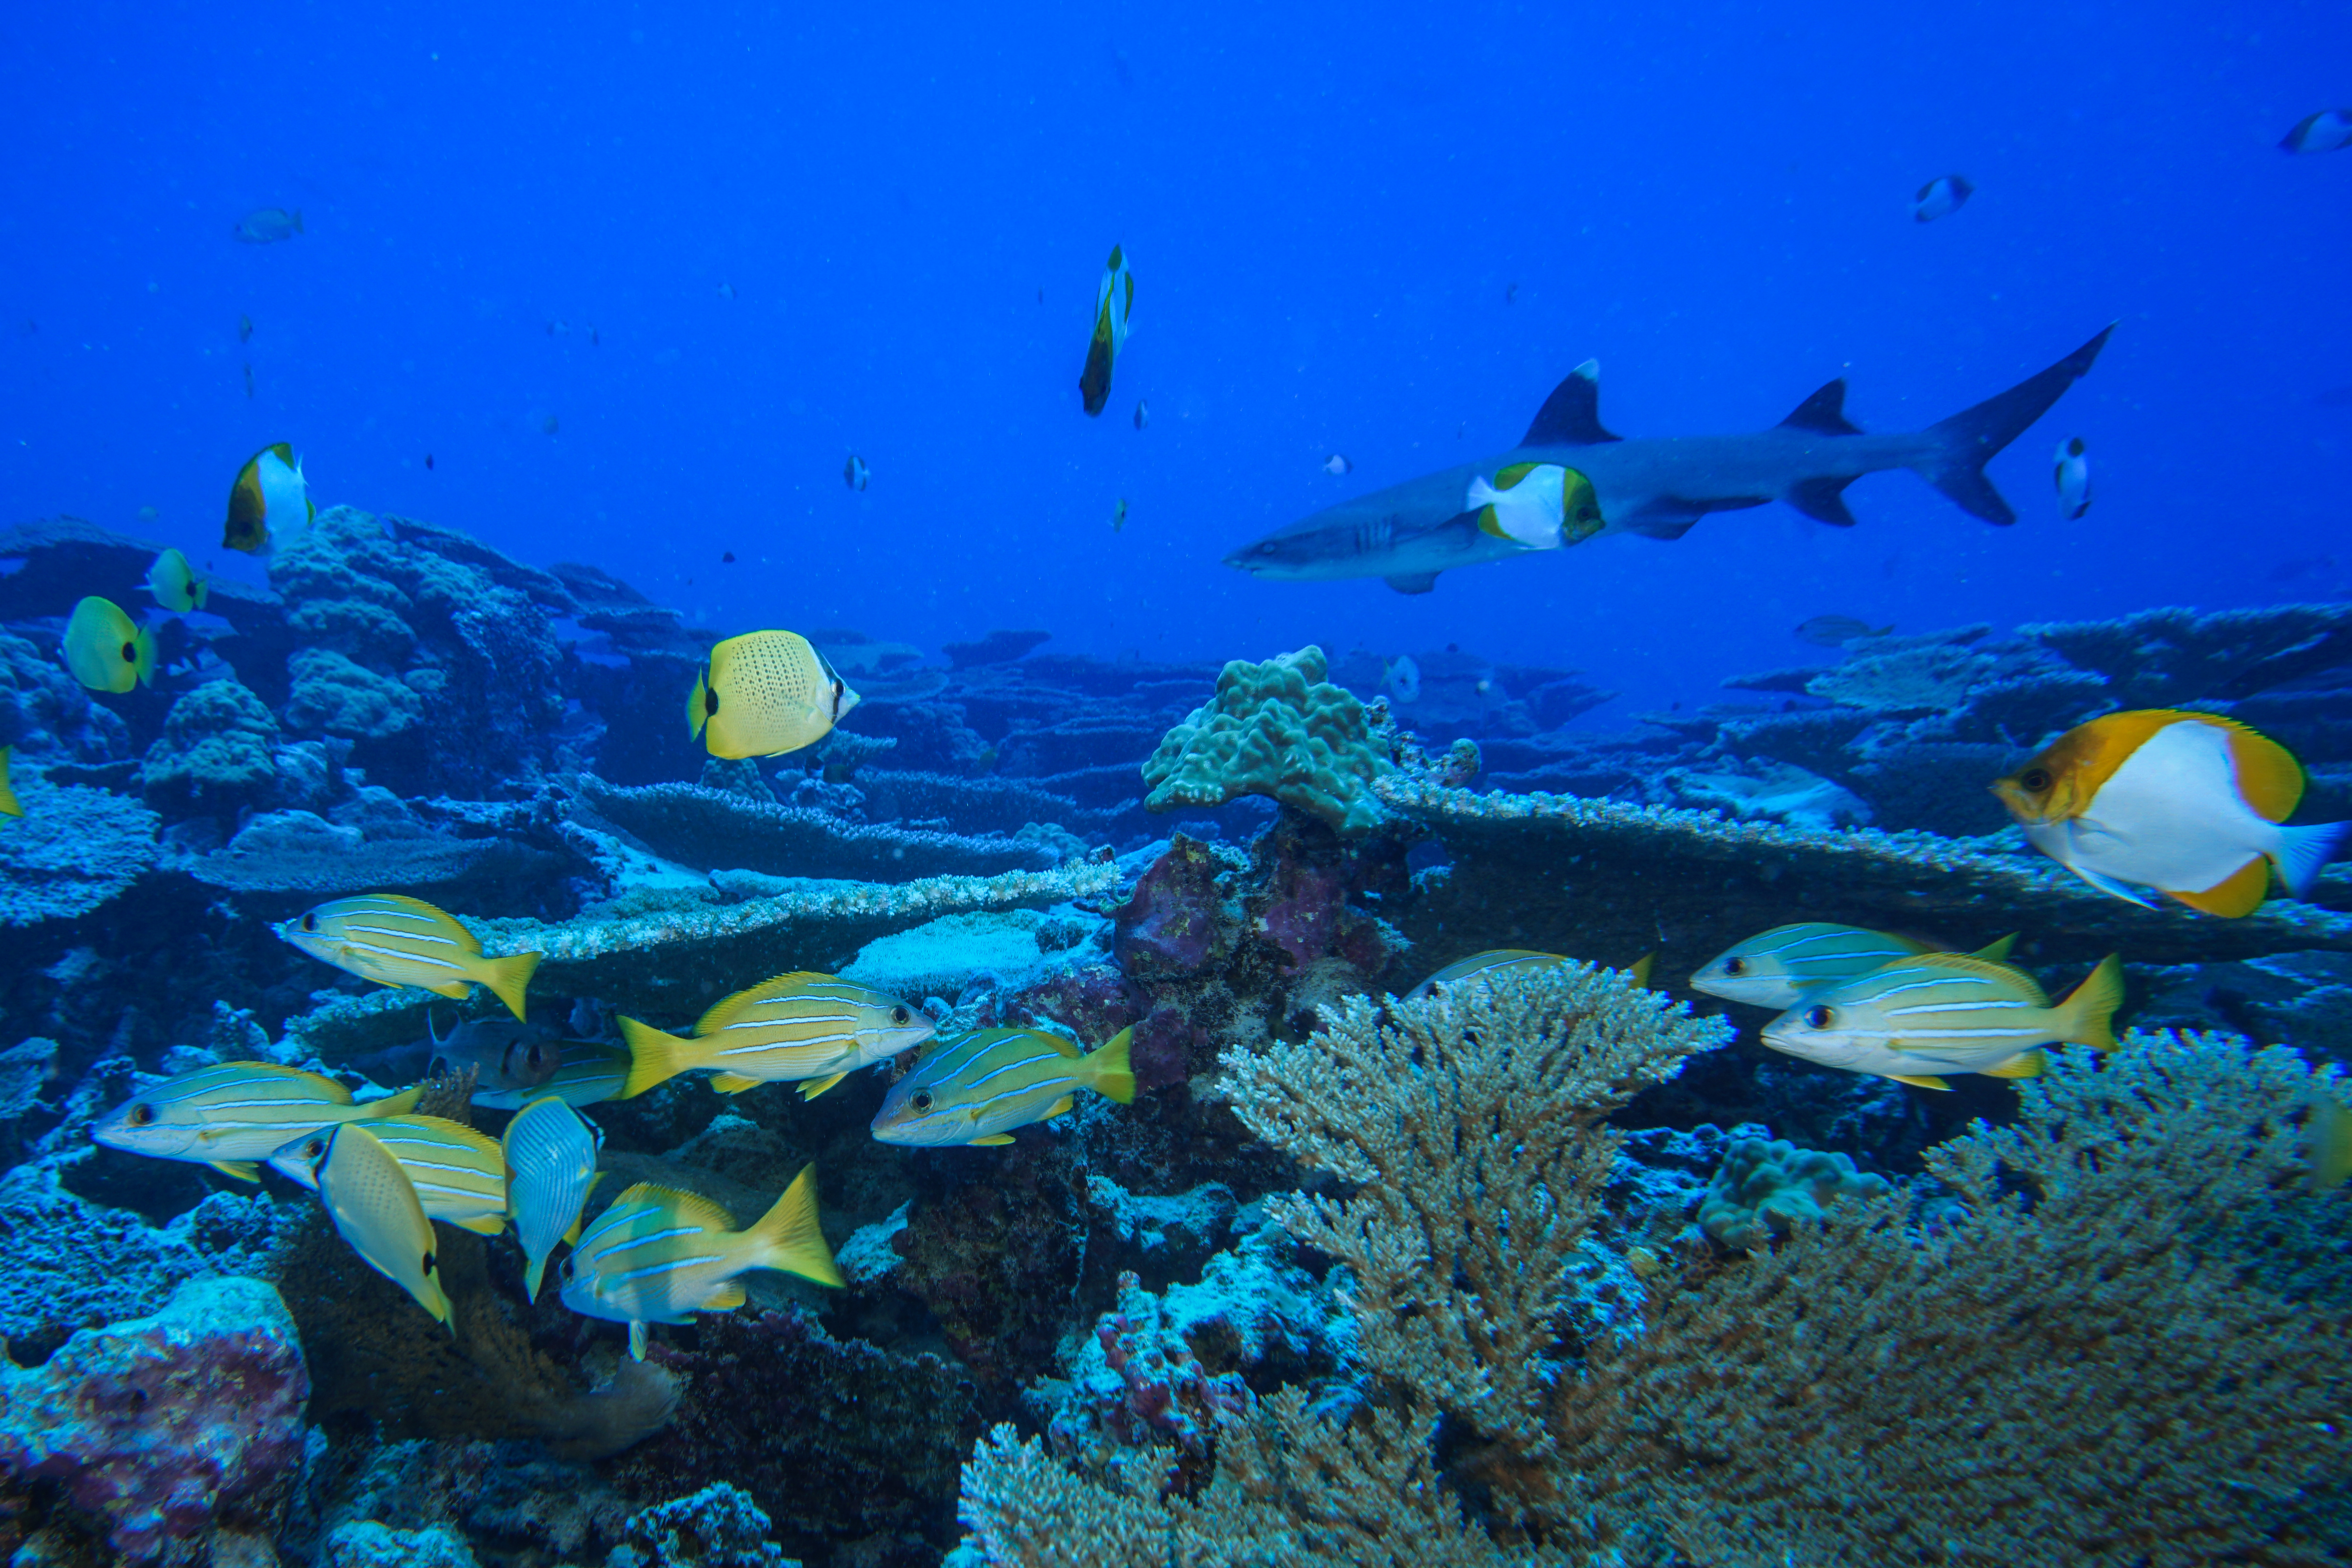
{"x":797,"y":234}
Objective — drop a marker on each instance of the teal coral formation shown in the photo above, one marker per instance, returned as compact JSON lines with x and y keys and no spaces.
{"x":216,"y":754}
{"x":1277,"y":729}
{"x":1766,"y":1188}
{"x":73,"y":850}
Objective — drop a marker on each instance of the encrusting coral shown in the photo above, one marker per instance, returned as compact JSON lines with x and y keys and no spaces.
{"x":1768,"y":1187}
{"x":1279,"y":729}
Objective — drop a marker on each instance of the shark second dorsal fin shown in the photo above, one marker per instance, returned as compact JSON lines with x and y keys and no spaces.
{"x":1823,"y":412}
{"x":1571,"y":415}
{"x":1413,"y":581}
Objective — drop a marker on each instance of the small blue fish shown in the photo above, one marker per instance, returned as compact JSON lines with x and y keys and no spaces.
{"x":2329,"y":131}
{"x":2073,"y":476}
{"x":1941,"y":197}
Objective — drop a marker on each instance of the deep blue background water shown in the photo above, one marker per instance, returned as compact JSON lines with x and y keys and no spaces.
{"x":1327,"y":209}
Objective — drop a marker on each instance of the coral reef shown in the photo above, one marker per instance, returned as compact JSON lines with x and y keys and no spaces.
{"x":216,"y":755}
{"x":709,"y":829}
{"x":74,"y":849}
{"x":366,"y":1543}
{"x":162,"y":1429}
{"x":1276,"y":729}
{"x":1769,"y":1188}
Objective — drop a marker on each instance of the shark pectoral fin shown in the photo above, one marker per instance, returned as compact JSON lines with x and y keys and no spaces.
{"x":1413,"y":581}
{"x":1664,"y":518}
{"x":1823,"y":500}
{"x":1920,"y":1081}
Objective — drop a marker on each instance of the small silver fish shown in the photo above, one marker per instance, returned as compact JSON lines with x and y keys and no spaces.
{"x":550,"y":1159}
{"x":2329,"y":131}
{"x":267,"y":225}
{"x":1119,"y":515}
{"x":1500,"y":961}
{"x":591,"y":1074}
{"x":1941,"y":197}
{"x":854,"y":473}
{"x":1338,"y":466}
{"x":505,"y":1054}
{"x":2073,"y":477}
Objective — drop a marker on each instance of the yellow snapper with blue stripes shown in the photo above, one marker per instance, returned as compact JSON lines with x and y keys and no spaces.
{"x":1499,"y":961}
{"x":978,"y":1088}
{"x":1772,"y":970}
{"x":459,"y":1174}
{"x":1945,"y":1012}
{"x":591,"y":1074}
{"x":234,"y":1114}
{"x":550,"y":1159}
{"x":804,"y":1027}
{"x":396,"y":940}
{"x":658,"y":1255}
{"x":368,"y":1194}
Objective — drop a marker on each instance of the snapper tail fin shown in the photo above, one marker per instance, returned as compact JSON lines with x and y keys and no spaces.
{"x":401,"y":1104}
{"x":2087,"y":1015}
{"x":1113,"y":1075}
{"x":655,"y":1058}
{"x":2304,"y":853}
{"x":1969,"y":439}
{"x":509,"y":978}
{"x":787,"y":1236}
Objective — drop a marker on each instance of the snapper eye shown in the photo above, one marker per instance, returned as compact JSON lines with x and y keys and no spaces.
{"x":921,"y":1099}
{"x":1818,"y":1017}
{"x":898,"y":1013}
{"x":1735,"y":966}
{"x":142,"y":1115}
{"x":310,"y":921}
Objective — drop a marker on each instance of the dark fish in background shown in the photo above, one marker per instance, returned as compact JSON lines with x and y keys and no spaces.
{"x":1119,"y":515}
{"x":1113,"y":300}
{"x":2329,"y":131}
{"x":726,"y":558}
{"x":2074,"y":478}
{"x":1142,"y":414}
{"x":244,"y":329}
{"x":1511,"y":294}
{"x":249,"y":381}
{"x":854,"y":473}
{"x":725,"y":291}
{"x":503,"y":1053}
{"x":1941,"y":197}
{"x":267,"y":225}
{"x":551,"y":424}
{"x":1337,"y":467}
{"x":429,"y":460}
{"x":1837,"y":630}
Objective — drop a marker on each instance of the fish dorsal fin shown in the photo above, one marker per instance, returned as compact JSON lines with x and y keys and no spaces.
{"x":1919,"y":1081}
{"x":1571,"y":415}
{"x":1509,"y":478}
{"x":776,"y":987}
{"x":2269,"y":776}
{"x":690,"y":1207}
{"x":1970,"y":964}
{"x":1823,"y":412}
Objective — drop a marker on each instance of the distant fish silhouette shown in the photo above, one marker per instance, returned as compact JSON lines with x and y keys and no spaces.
{"x":2329,"y":131}
{"x":1837,"y":630}
{"x":1941,"y":197}
{"x":267,"y":225}
{"x":854,"y":473}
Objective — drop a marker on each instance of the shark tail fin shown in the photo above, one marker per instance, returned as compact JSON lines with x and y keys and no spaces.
{"x":1969,"y":439}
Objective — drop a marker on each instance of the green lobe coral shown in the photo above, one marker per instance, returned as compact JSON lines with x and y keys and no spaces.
{"x":216,"y":753}
{"x":1768,"y":1187}
{"x":1277,"y":729}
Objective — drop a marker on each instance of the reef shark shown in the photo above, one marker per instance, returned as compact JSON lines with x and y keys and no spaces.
{"x":1409,"y":533}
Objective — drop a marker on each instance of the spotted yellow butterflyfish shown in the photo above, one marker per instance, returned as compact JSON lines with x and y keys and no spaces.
{"x":235,"y":1112}
{"x":764,"y":694}
{"x":805,"y":1028}
{"x":658,"y":1255}
{"x":106,"y":650}
{"x":396,"y":940}
{"x":1542,"y":505}
{"x":459,"y":1174}
{"x":175,"y":584}
{"x":367,"y":1193}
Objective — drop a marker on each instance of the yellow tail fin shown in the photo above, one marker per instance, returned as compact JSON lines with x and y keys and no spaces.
{"x":1640,"y":969}
{"x":1113,"y":1077}
{"x":145,"y":643}
{"x":654,"y":1056}
{"x":787,"y":1236}
{"x":401,"y":1104}
{"x":509,"y":978}
{"x":2085,"y":1017}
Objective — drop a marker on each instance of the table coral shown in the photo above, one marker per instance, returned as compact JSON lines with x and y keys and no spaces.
{"x":709,"y":828}
{"x":161,"y":1429}
{"x":1766,"y":1188}
{"x":1278,"y":729}
{"x":73,"y":850}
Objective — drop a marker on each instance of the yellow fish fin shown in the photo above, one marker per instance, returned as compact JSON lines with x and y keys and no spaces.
{"x":2086,"y":1016}
{"x":636,"y":1339}
{"x":690,"y":1207}
{"x":2238,"y":895}
{"x":483,"y":1225}
{"x":992,"y":1140}
{"x":1511,"y":476}
{"x":733,"y":1082}
{"x":580,"y":1220}
{"x":1490,"y":524}
{"x":787,"y":1236}
{"x":1112,"y":1074}
{"x":534,"y":1269}
{"x":509,"y":978}
{"x":1996,"y":952}
{"x":8,"y":804}
{"x":812,"y":1087}
{"x":1640,"y":969}
{"x":1918,"y":1080}
{"x":724,"y":1298}
{"x":697,"y":704}
{"x":243,"y":1170}
{"x":401,"y":1104}
{"x":2268,"y":778}
{"x":143,"y":646}
{"x":1059,"y":1107}
{"x":2330,"y":1131}
{"x":654,"y":1057}
{"x":2026,"y":1064}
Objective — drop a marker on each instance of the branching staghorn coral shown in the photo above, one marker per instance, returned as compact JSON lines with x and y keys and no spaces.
{"x":2093,"y":1368}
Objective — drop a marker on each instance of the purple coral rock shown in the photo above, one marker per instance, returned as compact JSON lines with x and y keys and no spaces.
{"x":160,"y":1427}
{"x":1167,"y":1393}
{"x":1095,"y":999}
{"x":1160,"y":1051}
{"x":1170,"y":926}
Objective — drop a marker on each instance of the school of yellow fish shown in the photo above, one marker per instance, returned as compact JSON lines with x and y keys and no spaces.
{"x":2189,"y":805}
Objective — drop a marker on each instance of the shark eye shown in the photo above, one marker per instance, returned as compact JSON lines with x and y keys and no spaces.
{"x":1818,"y":1017}
{"x":921,"y":1099}
{"x":1735,"y":966}
{"x":142,"y":1115}
{"x":2035,"y":780}
{"x":898,"y":1013}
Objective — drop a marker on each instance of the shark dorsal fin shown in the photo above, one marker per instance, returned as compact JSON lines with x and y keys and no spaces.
{"x":1571,"y":415}
{"x":1823,"y":412}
